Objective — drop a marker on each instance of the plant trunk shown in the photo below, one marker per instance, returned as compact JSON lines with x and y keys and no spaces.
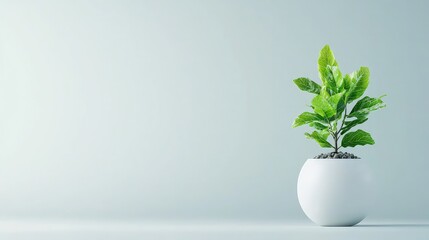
{"x":336,"y":144}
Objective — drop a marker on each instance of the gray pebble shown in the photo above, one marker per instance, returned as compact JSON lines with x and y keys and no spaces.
{"x":338,"y":155}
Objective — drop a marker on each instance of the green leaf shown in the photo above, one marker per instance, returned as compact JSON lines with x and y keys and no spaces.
{"x":366,"y":105}
{"x":324,"y":92}
{"x":318,"y":126}
{"x":347,"y":81}
{"x":350,"y":124}
{"x":323,"y":107}
{"x":341,"y":105}
{"x":359,"y":137}
{"x":320,"y":137}
{"x":337,"y":76}
{"x":306,"y":117}
{"x":307,"y":85}
{"x":337,"y":101}
{"x":360,"y":81}
{"x":330,"y":106}
{"x":358,"y":115}
{"x":331,"y":84}
{"x":326,"y":59}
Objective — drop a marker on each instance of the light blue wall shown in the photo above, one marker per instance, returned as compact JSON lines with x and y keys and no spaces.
{"x":183,"y":109}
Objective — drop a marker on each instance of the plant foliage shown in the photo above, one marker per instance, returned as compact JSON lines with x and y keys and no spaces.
{"x":331,"y":116}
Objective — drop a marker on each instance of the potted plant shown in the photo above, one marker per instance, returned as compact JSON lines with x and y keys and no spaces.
{"x":334,"y":188}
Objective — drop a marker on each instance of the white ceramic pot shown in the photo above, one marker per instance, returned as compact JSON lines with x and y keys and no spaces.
{"x":335,"y":192}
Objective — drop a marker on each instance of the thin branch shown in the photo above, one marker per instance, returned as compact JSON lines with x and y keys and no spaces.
{"x":344,"y":119}
{"x":331,"y":131}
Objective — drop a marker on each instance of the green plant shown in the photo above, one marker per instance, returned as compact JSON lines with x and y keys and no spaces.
{"x":331,"y":115}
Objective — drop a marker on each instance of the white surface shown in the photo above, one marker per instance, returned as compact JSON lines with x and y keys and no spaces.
{"x":205,"y":230}
{"x":335,"y":192}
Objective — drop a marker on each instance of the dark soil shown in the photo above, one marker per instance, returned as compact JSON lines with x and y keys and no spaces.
{"x":338,"y":155}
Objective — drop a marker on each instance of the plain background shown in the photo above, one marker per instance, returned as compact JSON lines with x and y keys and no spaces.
{"x":183,"y":109}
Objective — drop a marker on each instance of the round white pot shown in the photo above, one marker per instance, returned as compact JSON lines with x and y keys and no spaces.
{"x":335,"y":192}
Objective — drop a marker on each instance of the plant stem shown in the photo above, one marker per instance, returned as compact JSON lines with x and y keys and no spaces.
{"x":336,"y":143}
{"x":338,"y":133}
{"x":344,"y":118}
